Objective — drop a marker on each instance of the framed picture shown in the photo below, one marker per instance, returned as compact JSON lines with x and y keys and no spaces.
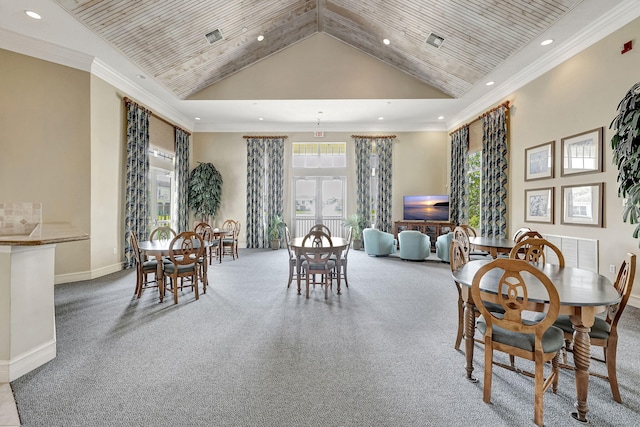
{"x":539,"y":205}
{"x":539,"y":161}
{"x":582,"y":153}
{"x":582,"y":204}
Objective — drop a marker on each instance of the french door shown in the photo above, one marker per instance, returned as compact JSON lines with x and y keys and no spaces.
{"x":319,"y":200}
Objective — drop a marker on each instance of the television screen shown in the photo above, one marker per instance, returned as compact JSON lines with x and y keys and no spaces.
{"x":426,"y":208}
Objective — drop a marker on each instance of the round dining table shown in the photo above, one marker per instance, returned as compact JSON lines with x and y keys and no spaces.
{"x":159,"y":248}
{"x":338,"y":245}
{"x":583,"y":294}
{"x":493,"y":245}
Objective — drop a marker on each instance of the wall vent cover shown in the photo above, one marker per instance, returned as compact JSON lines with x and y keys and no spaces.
{"x":214,"y":36}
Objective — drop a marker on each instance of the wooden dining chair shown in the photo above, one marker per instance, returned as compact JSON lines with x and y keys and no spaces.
{"x":519,"y":231}
{"x":344,"y":258}
{"x":321,"y":227}
{"x":185,"y":253}
{"x":143,"y":268}
{"x":528,"y":234}
{"x":533,"y":249}
{"x":604,"y":332}
{"x":230,"y":241}
{"x":512,"y":333}
{"x":162,"y":233}
{"x":461,"y":236}
{"x":293,"y":259}
{"x":205,"y":231}
{"x":317,"y":260}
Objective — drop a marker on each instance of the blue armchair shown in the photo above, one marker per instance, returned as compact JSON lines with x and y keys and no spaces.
{"x":443,"y":245}
{"x":378,"y":243}
{"x":414,"y":245}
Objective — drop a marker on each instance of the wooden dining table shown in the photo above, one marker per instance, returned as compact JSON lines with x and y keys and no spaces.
{"x":583,"y":294}
{"x":493,"y":245}
{"x":159,"y":248}
{"x":339,"y":245}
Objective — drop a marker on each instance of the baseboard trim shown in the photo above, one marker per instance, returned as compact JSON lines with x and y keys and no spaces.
{"x":88,"y":275}
{"x":13,"y":369}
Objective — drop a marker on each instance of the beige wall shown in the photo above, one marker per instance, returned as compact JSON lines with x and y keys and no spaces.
{"x":45,"y":144}
{"x":108,"y":165}
{"x":579,"y":95}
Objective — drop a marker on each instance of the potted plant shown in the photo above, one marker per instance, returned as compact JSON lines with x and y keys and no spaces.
{"x":357,"y":222}
{"x":626,"y":154}
{"x":276,"y":226}
{"x":205,"y":191}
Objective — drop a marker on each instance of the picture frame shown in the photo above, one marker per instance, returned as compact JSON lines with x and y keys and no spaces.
{"x":582,"y":153}
{"x":539,"y":205}
{"x":582,"y":204}
{"x":539,"y":161}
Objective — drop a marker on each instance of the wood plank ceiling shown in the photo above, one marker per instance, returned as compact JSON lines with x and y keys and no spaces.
{"x":166,"y":38}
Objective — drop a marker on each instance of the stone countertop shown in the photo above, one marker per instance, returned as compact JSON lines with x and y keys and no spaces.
{"x":45,"y":234}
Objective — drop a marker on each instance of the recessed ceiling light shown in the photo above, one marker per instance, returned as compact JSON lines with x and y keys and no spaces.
{"x":546,"y":42}
{"x":32,"y":14}
{"x":197,"y":118}
{"x":386,"y":41}
{"x":260,"y":118}
{"x":380,"y":118}
{"x":140,"y":76}
{"x":490,"y":83}
{"x":440,"y":117}
{"x":260,"y":37}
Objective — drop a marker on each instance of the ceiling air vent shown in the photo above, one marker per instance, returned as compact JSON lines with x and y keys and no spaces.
{"x":435,"y":40}
{"x":214,"y":36}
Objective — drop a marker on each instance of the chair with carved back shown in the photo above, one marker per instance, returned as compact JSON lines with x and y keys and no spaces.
{"x":206,"y":232}
{"x":344,"y":257}
{"x":519,"y":231}
{"x":293,"y":259}
{"x":532,"y":249}
{"x":230,"y":240}
{"x":162,"y":233}
{"x":458,"y":258}
{"x":514,"y":334}
{"x":186,"y":250}
{"x":321,"y":227}
{"x":473,"y":253}
{"x":604,"y":332}
{"x":527,"y":234}
{"x":143,"y":268}
{"x":316,"y":255}
{"x":461,"y":236}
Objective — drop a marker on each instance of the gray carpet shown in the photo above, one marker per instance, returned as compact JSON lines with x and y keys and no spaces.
{"x":251,"y":352}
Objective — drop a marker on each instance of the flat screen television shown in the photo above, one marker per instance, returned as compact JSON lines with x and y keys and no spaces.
{"x":426,"y":208}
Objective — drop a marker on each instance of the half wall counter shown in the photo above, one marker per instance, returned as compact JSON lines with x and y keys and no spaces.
{"x":27,"y":309}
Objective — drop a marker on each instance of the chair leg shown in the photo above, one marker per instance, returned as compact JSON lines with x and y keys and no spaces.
{"x":195,"y":284}
{"x":488,"y":372}
{"x":291,"y":267}
{"x":174,"y":284}
{"x":539,"y":393}
{"x":610,"y":360}
{"x":308,"y":286}
{"x":460,"y":320}
{"x":344,"y":273}
{"x":555,"y":364}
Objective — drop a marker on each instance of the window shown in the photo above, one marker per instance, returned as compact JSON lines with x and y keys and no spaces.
{"x":162,"y":189}
{"x":474,"y":177}
{"x":311,"y":155}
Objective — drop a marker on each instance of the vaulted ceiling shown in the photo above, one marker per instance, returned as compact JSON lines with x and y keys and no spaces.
{"x":166,"y":38}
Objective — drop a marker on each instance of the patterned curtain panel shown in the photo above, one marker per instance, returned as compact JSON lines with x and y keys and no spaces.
{"x":182,"y":178}
{"x":364,"y":148}
{"x":458,"y":188}
{"x":275,"y":180}
{"x":136,"y":215}
{"x":265,"y":187}
{"x":493,"y":222}
{"x":384,"y":147}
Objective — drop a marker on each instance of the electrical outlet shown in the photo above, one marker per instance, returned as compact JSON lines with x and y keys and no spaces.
{"x":612,"y":268}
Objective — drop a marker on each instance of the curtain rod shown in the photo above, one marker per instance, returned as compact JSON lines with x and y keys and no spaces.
{"x":265,"y":137}
{"x":373,"y":136}
{"x":129,"y":101}
{"x":505,"y":104}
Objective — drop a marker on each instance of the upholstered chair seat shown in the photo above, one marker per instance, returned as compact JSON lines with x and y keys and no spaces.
{"x":414,"y":245}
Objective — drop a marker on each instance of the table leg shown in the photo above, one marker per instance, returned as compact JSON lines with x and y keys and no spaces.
{"x":469,"y":332}
{"x":160,"y":277}
{"x":298,"y":268}
{"x":220,"y":248}
{"x":582,"y":360}
{"x":338,"y":268}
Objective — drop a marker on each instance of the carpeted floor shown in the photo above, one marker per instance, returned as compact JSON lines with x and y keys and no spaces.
{"x":251,"y":352}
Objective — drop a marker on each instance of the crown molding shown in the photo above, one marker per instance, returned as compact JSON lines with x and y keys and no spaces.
{"x":604,"y":26}
{"x":46,"y":51}
{"x":109,"y":75}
